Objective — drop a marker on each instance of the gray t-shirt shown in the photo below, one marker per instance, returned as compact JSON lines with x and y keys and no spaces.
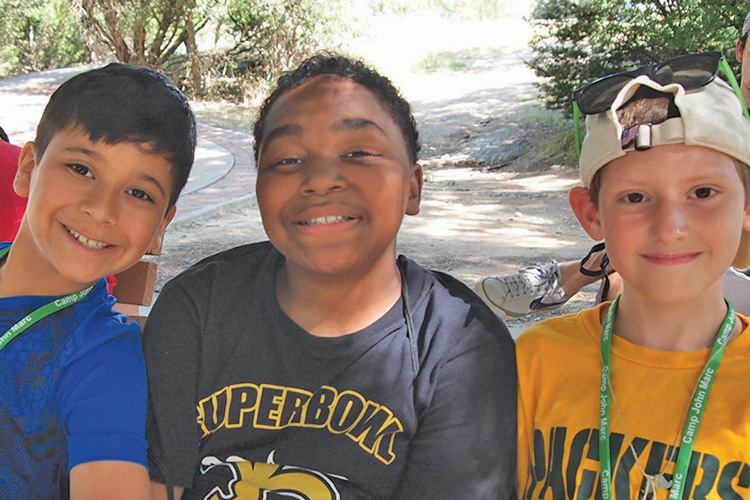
{"x":244,"y":403}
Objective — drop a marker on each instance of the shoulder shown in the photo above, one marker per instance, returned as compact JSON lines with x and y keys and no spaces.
{"x":229,"y":265}
{"x":98,"y":324}
{"x":241,"y":253}
{"x":560,"y":332}
{"x":447,"y":307}
{"x":220,"y":284}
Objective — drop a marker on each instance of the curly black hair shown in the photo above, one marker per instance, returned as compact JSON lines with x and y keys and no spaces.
{"x":327,"y":63}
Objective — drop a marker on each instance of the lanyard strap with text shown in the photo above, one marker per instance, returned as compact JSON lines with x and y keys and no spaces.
{"x":695,"y":414}
{"x":41,"y":312}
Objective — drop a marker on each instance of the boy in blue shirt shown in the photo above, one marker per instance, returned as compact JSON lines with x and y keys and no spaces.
{"x":113,"y":149}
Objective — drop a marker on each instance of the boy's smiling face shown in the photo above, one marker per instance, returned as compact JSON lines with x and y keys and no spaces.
{"x":334,"y":178}
{"x":672,"y":217}
{"x":93,"y":209}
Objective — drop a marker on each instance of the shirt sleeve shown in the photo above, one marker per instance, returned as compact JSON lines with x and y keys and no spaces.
{"x":465,"y":446}
{"x":101,"y":403}
{"x":171,"y":348}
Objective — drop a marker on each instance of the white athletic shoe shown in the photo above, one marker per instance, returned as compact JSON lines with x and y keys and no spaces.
{"x":532,"y":289}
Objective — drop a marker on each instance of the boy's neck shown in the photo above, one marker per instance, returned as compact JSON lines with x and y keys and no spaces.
{"x":334,"y":306}
{"x":686,"y":326}
{"x":22,"y":275}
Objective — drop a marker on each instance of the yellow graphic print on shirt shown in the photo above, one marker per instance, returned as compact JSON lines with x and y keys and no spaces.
{"x":564,"y":468}
{"x":373,"y":426}
{"x":254,"y":481}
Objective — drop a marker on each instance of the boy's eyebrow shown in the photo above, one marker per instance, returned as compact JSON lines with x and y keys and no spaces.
{"x":345,"y":124}
{"x":356,"y":123}
{"x":82,"y":150}
{"x":94,"y":154}
{"x":155,"y":182}
{"x":284,"y":130}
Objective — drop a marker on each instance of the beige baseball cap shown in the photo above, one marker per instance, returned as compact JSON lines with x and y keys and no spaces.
{"x":710,"y":116}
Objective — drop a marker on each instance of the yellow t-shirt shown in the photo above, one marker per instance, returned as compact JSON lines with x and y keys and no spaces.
{"x":559,"y":372}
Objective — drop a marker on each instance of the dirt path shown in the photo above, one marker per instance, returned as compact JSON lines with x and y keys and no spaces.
{"x":473,"y":222}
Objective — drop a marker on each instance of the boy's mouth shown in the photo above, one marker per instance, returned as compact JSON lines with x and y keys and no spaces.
{"x":330,"y":219}
{"x":89,"y":243}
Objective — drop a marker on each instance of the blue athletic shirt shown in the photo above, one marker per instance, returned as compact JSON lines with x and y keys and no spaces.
{"x":72,"y":390}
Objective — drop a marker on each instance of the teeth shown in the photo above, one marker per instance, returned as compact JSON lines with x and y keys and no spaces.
{"x":93,"y":244}
{"x":325,"y":220}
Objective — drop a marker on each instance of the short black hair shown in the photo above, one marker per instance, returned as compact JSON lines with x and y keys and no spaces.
{"x":124,"y":103}
{"x":332,"y":64}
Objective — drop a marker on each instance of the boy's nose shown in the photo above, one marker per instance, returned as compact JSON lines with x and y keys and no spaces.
{"x":670,"y":221}
{"x":100,"y":205}
{"x":321,"y":176}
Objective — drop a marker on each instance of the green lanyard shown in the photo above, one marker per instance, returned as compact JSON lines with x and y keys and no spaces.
{"x":694,"y":416}
{"x":41,"y":312}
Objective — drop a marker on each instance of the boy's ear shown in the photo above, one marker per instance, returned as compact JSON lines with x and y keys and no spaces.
{"x":738,"y":51}
{"x":586,"y":212}
{"x":26,"y":164}
{"x":746,"y":218}
{"x":415,"y":190}
{"x":159,"y":236}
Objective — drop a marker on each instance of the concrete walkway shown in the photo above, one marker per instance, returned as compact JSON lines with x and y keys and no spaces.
{"x":223,"y":173}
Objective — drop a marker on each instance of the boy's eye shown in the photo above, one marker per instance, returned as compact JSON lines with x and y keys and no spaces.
{"x":634,"y":198}
{"x":285,"y":162}
{"x":140,"y":194}
{"x":703,"y":192}
{"x":359,"y":154}
{"x":289,"y":161}
{"x":80,"y":169}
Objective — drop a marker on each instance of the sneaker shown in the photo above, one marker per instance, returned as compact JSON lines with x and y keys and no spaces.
{"x":532,"y":289}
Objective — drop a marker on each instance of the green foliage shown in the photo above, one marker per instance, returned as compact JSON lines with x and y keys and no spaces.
{"x":554,"y":139}
{"x":263,"y":38}
{"x":252,"y":39}
{"x":273,"y":35}
{"x":452,"y":61}
{"x":36,"y":35}
{"x":145,"y":32}
{"x":577,"y":41}
{"x":455,"y":61}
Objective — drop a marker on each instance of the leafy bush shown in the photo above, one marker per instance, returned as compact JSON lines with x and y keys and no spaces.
{"x":577,"y":41}
{"x":36,"y":35}
{"x":273,"y":35}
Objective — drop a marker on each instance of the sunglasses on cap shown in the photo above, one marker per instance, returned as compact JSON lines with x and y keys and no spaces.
{"x":690,"y":72}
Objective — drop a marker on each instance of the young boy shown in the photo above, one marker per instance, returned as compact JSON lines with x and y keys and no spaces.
{"x":318,"y":365}
{"x":617,"y":402}
{"x":548,"y":285}
{"x":113,"y":149}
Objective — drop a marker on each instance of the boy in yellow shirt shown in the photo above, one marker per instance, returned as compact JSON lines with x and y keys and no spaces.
{"x":645,"y":397}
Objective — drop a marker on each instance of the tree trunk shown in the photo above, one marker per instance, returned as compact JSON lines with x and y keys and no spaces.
{"x":195,"y":64}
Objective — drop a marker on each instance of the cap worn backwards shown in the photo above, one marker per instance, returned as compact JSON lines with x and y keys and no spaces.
{"x":710,"y":116}
{"x":746,"y":25}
